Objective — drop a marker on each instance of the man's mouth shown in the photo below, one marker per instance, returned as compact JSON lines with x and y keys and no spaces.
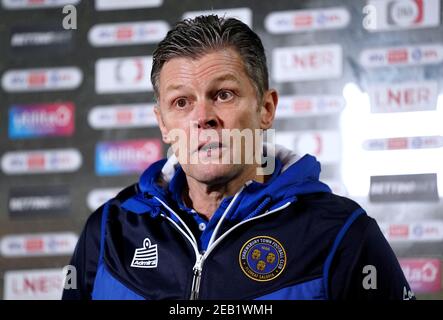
{"x":210,"y":146}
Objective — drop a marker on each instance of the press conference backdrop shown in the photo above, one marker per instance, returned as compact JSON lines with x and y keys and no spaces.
{"x":360,"y":87}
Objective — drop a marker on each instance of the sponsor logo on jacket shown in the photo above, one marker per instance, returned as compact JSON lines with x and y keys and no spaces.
{"x":146,"y":256}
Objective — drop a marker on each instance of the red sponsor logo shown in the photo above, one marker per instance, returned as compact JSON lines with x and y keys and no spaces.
{"x":400,"y":98}
{"x":303,"y":20}
{"x":33,"y":286}
{"x":36,"y":161}
{"x":397,"y":56}
{"x":423,"y":275}
{"x":37,"y":79}
{"x":302,"y":105}
{"x":124,"y":33}
{"x":33,"y":245}
{"x":399,"y":231}
{"x":397,"y":143}
{"x":410,"y":96}
{"x":124,"y":116}
{"x":314,"y":60}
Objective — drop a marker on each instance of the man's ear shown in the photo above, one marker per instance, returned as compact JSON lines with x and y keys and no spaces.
{"x":161,"y":124}
{"x":267,"y":111}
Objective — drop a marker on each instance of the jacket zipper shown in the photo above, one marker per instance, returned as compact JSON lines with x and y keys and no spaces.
{"x":200,"y":258}
{"x":196,"y":279}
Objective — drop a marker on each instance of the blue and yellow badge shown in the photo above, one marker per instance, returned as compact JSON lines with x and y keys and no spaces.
{"x":262,"y":258}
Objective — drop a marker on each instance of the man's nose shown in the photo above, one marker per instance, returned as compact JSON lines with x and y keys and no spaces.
{"x":206,"y":116}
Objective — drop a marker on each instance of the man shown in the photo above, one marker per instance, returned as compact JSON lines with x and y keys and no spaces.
{"x":209,"y":223}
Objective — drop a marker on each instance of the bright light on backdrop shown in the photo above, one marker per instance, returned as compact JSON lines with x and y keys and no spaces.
{"x":359,"y":124}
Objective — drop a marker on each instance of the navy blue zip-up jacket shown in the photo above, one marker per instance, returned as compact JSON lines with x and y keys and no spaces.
{"x":290,"y":238}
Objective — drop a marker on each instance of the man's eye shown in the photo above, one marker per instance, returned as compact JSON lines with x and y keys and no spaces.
{"x":224,"y":95}
{"x":181,"y":103}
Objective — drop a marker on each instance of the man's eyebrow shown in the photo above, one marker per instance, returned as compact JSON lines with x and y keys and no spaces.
{"x":225,"y":77}
{"x":174,"y":87}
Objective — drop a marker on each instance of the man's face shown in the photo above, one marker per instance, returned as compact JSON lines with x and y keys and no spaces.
{"x":209,"y":95}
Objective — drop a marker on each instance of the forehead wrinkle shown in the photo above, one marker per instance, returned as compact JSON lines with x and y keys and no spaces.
{"x":192,"y":70}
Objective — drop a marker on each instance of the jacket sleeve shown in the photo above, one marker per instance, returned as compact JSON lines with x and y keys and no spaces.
{"x":366,"y":267}
{"x":85,"y":259}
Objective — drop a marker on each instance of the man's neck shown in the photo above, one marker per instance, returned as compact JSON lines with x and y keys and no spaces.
{"x":205,"y":199}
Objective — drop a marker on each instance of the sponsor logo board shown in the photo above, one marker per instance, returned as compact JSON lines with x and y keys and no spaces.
{"x":423,"y":275}
{"x":324,"y":145}
{"x":38,"y":200}
{"x":307,"y":20}
{"x":126,"y":157}
{"x":127,"y":33}
{"x":119,"y":75}
{"x":303,"y":106}
{"x":401,"y":56}
{"x":104,"y":5}
{"x":307,"y":63}
{"x":40,"y":284}
{"x":388,"y":15}
{"x":38,"y":244}
{"x":41,"y":161}
{"x":122,"y":116}
{"x":41,"y":120}
{"x":43,"y":79}
{"x":403,"y":97}
{"x":408,"y":187}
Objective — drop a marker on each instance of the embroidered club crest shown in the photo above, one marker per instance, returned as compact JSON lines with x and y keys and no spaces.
{"x":262,"y":258}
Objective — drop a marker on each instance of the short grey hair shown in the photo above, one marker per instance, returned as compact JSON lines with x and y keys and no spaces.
{"x":192,"y":38}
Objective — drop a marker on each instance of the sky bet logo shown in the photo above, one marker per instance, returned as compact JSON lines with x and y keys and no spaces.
{"x":28,"y":121}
